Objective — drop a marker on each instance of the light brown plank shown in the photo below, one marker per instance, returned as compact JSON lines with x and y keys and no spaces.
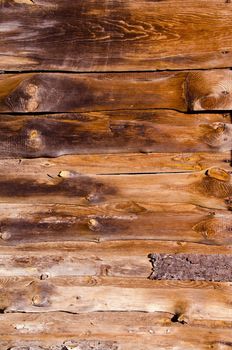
{"x":110,"y":35}
{"x":122,"y":163}
{"x":195,"y":91}
{"x":22,"y":224}
{"x":111,"y":330}
{"x":113,"y":132}
{"x":90,"y":294}
{"x":211,"y":188}
{"x":114,"y":259}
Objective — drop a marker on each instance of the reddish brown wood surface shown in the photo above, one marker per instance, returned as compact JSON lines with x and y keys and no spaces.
{"x":183,"y":91}
{"x":115,"y":143}
{"x":109,"y":222}
{"x":113,"y":132}
{"x":115,"y":35}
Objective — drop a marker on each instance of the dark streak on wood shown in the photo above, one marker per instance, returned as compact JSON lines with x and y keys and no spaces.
{"x":113,"y":132}
{"x":211,"y":188}
{"x":75,"y":231}
{"x":116,"y":222}
{"x":114,"y":35}
{"x":198,"y":90}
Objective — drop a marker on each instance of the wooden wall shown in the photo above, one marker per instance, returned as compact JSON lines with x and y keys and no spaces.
{"x":115,"y":142}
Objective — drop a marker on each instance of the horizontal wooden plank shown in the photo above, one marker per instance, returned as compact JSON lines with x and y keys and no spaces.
{"x":211,"y":188}
{"x":113,"y":132}
{"x":194,"y":90}
{"x":115,"y":259}
{"x":90,"y":294}
{"x":121,"y":163}
{"x":22,"y":224}
{"x":109,"y":331}
{"x":111,"y":35}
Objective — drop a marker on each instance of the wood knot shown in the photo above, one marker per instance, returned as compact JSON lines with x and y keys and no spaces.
{"x":5,"y":236}
{"x":215,"y":182}
{"x":94,"y":225}
{"x":217,"y":135}
{"x":34,"y":139}
{"x":218,"y":173}
{"x":215,"y":229}
{"x":32,"y":97}
{"x":93,"y":198}
{"x":209,"y":90}
{"x":39,"y":301}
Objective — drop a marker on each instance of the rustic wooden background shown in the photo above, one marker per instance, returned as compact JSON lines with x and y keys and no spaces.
{"x":115,"y":142}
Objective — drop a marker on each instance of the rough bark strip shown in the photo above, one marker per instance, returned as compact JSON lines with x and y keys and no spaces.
{"x":193,"y":267}
{"x":113,"y":132}
{"x":183,"y":91}
{"x":114,"y":35}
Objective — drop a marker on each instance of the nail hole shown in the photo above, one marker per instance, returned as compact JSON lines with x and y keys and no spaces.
{"x":44,"y":276}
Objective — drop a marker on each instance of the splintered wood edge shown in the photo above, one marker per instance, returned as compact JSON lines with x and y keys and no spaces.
{"x":193,"y":267}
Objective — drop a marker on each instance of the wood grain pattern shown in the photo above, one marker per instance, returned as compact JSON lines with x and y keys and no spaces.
{"x":193,"y":91}
{"x":22,"y":224}
{"x":90,"y":294}
{"x":113,"y":132}
{"x":113,"y":146}
{"x":114,"y":35}
{"x":119,"y":163}
{"x":211,"y":188}
{"x":124,"y":259}
{"x":121,"y":330}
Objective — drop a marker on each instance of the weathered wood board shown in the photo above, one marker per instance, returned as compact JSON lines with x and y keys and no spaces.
{"x":110,"y":163}
{"x":92,"y":294}
{"x":211,"y":188}
{"x":182,"y":90}
{"x":114,"y":330}
{"x":120,"y":258}
{"x":115,"y":35}
{"x":115,"y":144}
{"x":23,"y":223}
{"x":113,"y":132}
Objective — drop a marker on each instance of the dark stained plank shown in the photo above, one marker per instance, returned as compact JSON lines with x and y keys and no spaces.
{"x":22,"y":224}
{"x":110,"y":331}
{"x":106,"y":35}
{"x":113,"y":132}
{"x":60,"y":92}
{"x":211,"y":188}
{"x":119,"y":163}
{"x":193,"y":299}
